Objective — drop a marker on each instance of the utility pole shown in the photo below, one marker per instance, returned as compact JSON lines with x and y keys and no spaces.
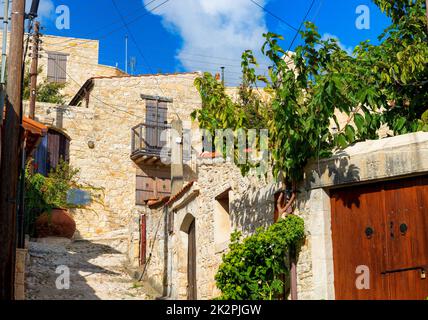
{"x":4,"y":58}
{"x":426,"y":7}
{"x":126,"y":54}
{"x":33,"y":70}
{"x":10,"y":163}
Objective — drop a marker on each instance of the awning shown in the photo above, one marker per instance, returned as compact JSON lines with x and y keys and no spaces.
{"x":33,"y":131}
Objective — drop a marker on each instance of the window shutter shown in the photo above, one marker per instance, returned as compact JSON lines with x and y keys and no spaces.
{"x":57,"y":67}
{"x":145,"y":189}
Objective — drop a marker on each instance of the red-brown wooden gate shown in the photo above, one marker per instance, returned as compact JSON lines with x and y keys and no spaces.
{"x":382,"y":226}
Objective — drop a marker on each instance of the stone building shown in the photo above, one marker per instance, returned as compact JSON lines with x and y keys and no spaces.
{"x":71,"y":61}
{"x":174,"y":220}
{"x":187,"y":234}
{"x":98,"y":125}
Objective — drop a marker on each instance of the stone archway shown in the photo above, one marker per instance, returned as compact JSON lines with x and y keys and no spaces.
{"x":188,"y":226}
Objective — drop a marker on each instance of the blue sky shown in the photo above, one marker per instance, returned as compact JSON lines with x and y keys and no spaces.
{"x":188,"y":35}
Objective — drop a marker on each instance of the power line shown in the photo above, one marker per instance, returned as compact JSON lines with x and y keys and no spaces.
{"x":120,"y":28}
{"x":139,"y":49}
{"x":274,"y":15}
{"x":111,"y":23}
{"x":301,"y":24}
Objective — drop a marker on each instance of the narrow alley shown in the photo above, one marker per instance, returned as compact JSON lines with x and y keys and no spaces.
{"x":96,"y":273}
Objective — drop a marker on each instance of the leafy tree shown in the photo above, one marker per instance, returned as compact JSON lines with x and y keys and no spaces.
{"x":253,"y":267}
{"x":46,"y":91}
{"x":378,"y":84}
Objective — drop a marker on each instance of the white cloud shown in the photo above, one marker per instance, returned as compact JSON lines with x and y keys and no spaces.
{"x":46,"y":8}
{"x":220,"y":28}
{"x":348,"y":49}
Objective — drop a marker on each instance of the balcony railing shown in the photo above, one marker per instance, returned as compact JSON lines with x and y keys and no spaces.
{"x":148,"y":141}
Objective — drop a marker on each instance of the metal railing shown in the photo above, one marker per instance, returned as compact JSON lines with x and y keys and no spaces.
{"x":149,"y":139}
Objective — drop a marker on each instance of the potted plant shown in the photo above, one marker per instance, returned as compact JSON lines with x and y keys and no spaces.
{"x":46,"y":207}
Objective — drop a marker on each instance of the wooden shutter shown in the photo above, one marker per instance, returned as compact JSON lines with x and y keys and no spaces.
{"x":156,"y":119}
{"x":162,"y":121}
{"x":143,"y":240}
{"x":58,"y":147}
{"x":145,"y":189}
{"x":57,"y":67}
{"x":151,"y":116}
{"x":163,"y":187}
{"x":40,"y":157}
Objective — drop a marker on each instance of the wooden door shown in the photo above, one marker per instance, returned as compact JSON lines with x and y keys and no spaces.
{"x":143,"y":240}
{"x":191,"y":263}
{"x":156,"y":119}
{"x":383,"y":227}
{"x":406,"y":209}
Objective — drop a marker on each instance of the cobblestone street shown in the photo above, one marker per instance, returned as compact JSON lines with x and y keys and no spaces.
{"x":96,"y":273}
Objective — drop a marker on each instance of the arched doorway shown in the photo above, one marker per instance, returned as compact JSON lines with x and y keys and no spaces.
{"x":189,"y":226}
{"x":53,"y":147}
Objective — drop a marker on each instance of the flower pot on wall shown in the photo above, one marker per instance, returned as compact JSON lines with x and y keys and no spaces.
{"x":58,"y":223}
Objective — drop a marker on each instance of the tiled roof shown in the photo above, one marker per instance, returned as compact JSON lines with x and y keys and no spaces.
{"x":153,"y":204}
{"x":180,"y":194}
{"x":145,"y":75}
{"x":34,"y":127}
{"x":90,"y":82}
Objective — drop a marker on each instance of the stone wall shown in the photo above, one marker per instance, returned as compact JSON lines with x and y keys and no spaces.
{"x":365,"y":162}
{"x":251,"y":204}
{"x":115,"y":107}
{"x":82,"y":61}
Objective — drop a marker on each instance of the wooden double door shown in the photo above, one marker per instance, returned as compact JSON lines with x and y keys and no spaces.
{"x":380,"y":232}
{"x":191,"y":263}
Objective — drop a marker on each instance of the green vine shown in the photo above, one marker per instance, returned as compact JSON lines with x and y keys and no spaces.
{"x":254,"y":267}
{"x":42,"y":194}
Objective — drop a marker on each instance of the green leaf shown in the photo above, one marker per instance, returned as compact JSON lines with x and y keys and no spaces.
{"x":359,"y":121}
{"x":350,"y":133}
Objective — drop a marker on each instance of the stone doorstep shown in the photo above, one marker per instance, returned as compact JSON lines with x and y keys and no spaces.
{"x":54,"y":241}
{"x":21,"y":255}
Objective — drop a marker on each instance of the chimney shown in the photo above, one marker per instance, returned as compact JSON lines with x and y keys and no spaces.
{"x":177,"y":167}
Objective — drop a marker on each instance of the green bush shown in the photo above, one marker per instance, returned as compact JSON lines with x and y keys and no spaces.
{"x":253,"y":267}
{"x":42,"y":194}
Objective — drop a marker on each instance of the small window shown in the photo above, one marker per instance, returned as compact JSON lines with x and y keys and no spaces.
{"x":53,"y":147}
{"x":57,"y":67}
{"x":222,"y":225}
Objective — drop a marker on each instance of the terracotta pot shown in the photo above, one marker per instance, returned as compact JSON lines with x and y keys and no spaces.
{"x":59,"y":223}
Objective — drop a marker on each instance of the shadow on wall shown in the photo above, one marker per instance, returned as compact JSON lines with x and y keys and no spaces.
{"x":253,"y":209}
{"x":337,"y":169}
{"x":41,"y":274}
{"x":330,"y":172}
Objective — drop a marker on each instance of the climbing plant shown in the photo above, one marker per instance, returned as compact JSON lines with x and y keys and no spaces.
{"x":299,"y":99}
{"x":378,"y":84}
{"x":254,"y":267}
{"x":46,"y":91}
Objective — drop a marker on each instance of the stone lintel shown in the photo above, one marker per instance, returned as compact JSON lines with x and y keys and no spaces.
{"x":372,"y":160}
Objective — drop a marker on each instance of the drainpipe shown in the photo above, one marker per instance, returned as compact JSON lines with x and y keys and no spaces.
{"x":4,"y":58}
{"x":293,"y":273}
{"x":177,"y":169}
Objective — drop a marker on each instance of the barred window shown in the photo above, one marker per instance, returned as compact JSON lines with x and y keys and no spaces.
{"x":57,"y":67}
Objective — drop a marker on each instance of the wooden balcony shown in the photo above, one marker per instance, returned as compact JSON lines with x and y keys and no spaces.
{"x":147,"y":142}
